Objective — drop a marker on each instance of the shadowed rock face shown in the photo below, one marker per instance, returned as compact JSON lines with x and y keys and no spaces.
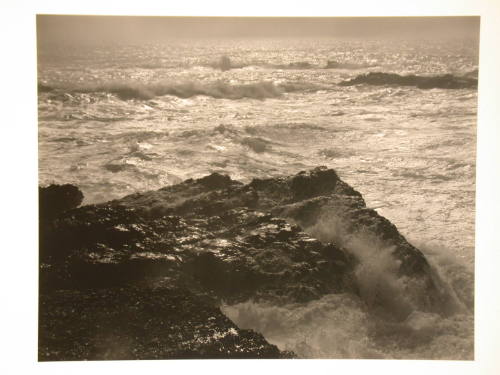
{"x":55,"y":199}
{"x":282,"y":240}
{"x":446,"y":81}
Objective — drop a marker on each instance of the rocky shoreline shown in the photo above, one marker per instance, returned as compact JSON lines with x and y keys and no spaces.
{"x":143,"y":277}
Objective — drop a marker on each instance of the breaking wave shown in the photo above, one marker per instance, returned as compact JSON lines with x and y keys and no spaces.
{"x":347,"y":326}
{"x":339,"y":326}
{"x":127,"y":90}
{"x":446,"y":81}
{"x":384,"y":319}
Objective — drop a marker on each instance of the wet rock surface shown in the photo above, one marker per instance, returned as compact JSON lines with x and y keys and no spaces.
{"x":141,"y":322}
{"x":142,"y":277}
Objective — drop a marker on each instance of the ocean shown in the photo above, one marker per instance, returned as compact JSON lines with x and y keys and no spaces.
{"x":115,"y":119}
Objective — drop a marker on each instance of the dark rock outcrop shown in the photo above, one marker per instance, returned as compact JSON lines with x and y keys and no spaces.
{"x":446,"y":81}
{"x":200,"y":242}
{"x":55,"y":199}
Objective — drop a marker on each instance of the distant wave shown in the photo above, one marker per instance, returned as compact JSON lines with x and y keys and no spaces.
{"x":126,"y":90}
{"x":225,"y":63}
{"x":330,"y":64}
{"x":446,"y":81}
{"x":292,"y":65}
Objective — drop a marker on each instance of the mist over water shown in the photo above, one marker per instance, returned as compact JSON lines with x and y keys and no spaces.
{"x":119,"y":118}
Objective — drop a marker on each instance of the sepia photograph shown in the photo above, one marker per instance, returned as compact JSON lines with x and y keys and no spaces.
{"x":256,"y":187}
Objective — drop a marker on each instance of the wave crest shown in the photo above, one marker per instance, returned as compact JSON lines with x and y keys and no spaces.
{"x":127,"y":90}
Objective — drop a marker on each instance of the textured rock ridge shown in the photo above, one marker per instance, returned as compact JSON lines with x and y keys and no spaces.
{"x":150,"y":270}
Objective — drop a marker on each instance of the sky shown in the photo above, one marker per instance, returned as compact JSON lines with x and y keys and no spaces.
{"x":152,"y":29}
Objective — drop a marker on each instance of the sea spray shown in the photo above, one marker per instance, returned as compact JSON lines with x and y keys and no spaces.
{"x":334,"y":326}
{"x":340,"y":326}
{"x":458,"y":274}
{"x":382,"y":281}
{"x":344,"y":326}
{"x":388,"y":317}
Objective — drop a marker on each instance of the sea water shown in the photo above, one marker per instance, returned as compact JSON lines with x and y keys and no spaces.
{"x":116,"y":119}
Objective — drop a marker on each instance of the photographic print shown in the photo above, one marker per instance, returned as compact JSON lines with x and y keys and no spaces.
{"x":256,"y":187}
